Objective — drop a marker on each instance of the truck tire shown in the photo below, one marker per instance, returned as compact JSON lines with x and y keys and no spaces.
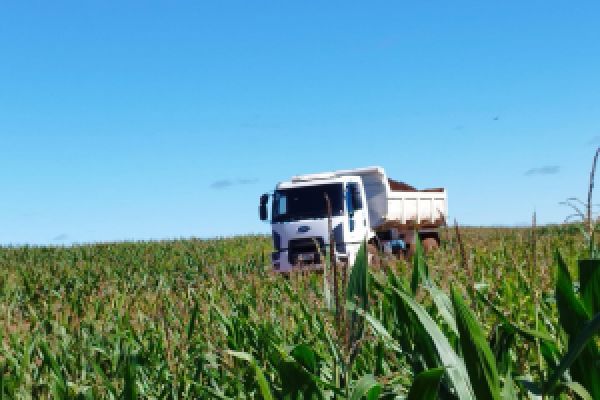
{"x":430,"y":244}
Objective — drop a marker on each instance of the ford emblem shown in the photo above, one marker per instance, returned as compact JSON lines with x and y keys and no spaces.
{"x":303,"y":229}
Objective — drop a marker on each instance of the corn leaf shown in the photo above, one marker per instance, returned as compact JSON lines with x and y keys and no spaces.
{"x":299,"y":371}
{"x":105,"y":381}
{"x":526,"y":333}
{"x":509,"y":391}
{"x":377,"y":327}
{"x":443,"y":305}
{"x":579,"y":390}
{"x":582,"y":342}
{"x":420,"y":271}
{"x":479,"y":360}
{"x":357,"y":292}
{"x":192,"y":323}
{"x":263,"y":385}
{"x":426,"y":385}
{"x":366,"y":387}
{"x":572,"y":312}
{"x":130,"y":391}
{"x":581,"y":360}
{"x":455,"y":367}
{"x":59,"y":386}
{"x":589,"y":279}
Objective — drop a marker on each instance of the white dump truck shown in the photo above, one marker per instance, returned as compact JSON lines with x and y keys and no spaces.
{"x":365,"y":205}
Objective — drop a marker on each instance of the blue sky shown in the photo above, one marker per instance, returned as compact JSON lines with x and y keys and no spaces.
{"x":151,"y":120}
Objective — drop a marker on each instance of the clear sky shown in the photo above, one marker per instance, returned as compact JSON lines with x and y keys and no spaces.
{"x":148,"y":120}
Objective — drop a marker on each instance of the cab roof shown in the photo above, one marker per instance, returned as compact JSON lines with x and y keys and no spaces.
{"x":339,"y":176}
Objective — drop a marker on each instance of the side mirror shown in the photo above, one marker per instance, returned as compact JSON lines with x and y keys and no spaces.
{"x":262,"y":209}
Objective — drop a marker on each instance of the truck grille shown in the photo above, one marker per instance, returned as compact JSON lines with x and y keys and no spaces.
{"x":305,"y":251}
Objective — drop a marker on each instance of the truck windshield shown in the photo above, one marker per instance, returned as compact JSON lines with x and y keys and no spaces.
{"x":307,"y":202}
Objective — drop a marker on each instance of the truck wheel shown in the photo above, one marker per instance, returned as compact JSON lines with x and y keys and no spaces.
{"x":430,"y":244}
{"x":373,"y":255}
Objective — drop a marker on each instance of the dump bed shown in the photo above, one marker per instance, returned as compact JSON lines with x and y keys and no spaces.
{"x":396,"y":204}
{"x":426,"y":208}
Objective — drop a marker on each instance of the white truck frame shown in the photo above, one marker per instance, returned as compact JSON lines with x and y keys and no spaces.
{"x":366,"y":205}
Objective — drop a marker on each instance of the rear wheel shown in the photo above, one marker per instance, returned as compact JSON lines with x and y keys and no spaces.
{"x":430,"y":244}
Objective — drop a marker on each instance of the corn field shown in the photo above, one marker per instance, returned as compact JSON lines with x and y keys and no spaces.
{"x":492,"y":314}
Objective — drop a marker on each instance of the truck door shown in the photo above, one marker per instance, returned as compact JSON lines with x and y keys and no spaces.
{"x":356,"y":226}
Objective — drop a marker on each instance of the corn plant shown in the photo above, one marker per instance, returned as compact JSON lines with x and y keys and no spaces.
{"x":207,"y":319}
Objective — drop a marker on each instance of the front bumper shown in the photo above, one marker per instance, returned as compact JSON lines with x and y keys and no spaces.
{"x":280,"y":262}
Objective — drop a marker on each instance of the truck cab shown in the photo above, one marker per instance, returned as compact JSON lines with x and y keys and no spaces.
{"x":300,"y":224}
{"x":359,"y":202}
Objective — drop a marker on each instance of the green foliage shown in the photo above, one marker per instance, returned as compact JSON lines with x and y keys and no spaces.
{"x":206,"y":319}
{"x":576,"y":347}
{"x":426,"y":385}
{"x":589,"y":278}
{"x":367,"y":387}
{"x":263,"y":385}
{"x":479,"y":360}
{"x":574,"y":317}
{"x":420,"y":270}
{"x":357,"y":293}
{"x":448,"y":357}
{"x":298,"y":371}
